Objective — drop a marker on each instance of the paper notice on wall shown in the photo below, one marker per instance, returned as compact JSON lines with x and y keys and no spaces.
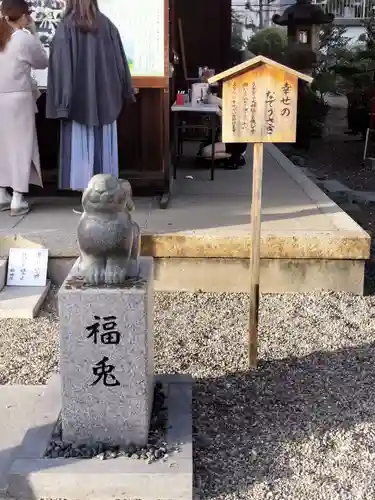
{"x":141,"y":27}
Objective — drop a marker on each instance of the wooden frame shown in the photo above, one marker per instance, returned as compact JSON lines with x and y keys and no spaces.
{"x":158,"y":82}
{"x":152,"y":82}
{"x":252,"y":64}
{"x":182,"y":47}
{"x":183,"y":54}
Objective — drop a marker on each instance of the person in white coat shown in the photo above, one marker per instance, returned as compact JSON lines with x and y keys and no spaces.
{"x":20,"y":52}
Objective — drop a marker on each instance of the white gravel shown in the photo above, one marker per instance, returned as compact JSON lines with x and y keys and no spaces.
{"x":29,"y":348}
{"x":301,"y":428}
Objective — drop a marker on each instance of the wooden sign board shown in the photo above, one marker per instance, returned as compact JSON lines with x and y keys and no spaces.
{"x":259,"y":101}
{"x":260,"y":106}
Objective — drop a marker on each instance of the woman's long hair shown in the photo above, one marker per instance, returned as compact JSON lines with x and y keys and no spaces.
{"x":83,"y":13}
{"x":11,"y":10}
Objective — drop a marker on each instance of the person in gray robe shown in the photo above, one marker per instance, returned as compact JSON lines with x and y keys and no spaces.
{"x":20,"y":52}
{"x":88,"y":82}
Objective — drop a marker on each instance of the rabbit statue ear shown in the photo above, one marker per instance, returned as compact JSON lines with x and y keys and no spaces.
{"x":129,"y":204}
{"x":126,"y":186}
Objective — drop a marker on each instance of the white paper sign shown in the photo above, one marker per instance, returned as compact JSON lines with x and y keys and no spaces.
{"x":27,"y":267}
{"x":141,"y":27}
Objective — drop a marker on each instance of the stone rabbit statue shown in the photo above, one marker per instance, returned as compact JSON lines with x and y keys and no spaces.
{"x":108,"y":239}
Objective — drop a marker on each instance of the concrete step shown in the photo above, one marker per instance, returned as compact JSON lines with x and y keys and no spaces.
{"x":334,"y":186}
{"x":3,"y":273}
{"x":26,"y":411}
{"x":21,"y":301}
{"x":365,"y":197}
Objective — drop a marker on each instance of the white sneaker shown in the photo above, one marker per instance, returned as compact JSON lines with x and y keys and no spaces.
{"x":19,"y":208}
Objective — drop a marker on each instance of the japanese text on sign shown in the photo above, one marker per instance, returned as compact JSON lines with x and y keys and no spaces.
{"x":285,"y":100}
{"x":104,"y":331}
{"x":253,"y":108}
{"x":107,"y":332}
{"x":260,"y":106}
{"x":234,"y":108}
{"x":245,"y":100}
{"x":103,"y":371}
{"x":270,"y":118}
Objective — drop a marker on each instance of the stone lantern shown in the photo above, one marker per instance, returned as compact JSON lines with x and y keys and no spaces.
{"x":303,"y":21}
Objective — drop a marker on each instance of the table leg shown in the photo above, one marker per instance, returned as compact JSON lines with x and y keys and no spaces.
{"x":175,"y":143}
{"x":167,"y":194}
{"x":213,"y":139}
{"x":180,"y":140}
{"x":167,"y":153}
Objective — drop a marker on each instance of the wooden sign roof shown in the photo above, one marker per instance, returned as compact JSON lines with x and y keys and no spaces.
{"x":254,"y":63}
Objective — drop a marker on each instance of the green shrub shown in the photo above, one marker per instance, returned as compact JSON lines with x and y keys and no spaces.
{"x":268,"y":42}
{"x":311,"y":114}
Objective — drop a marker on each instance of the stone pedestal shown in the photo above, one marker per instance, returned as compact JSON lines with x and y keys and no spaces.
{"x":106,"y":359}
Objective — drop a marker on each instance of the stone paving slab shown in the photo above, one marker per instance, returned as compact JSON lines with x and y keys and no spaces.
{"x":7,"y":223}
{"x":32,"y":476}
{"x":366,"y":197}
{"x":3,"y":272}
{"x":212,"y":218}
{"x":22,"y":301}
{"x":25,"y":410}
{"x":334,"y":186}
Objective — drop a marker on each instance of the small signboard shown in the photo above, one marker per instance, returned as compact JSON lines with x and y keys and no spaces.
{"x":262,"y":105}
{"x":259,"y":101}
{"x":259,"y":106}
{"x":27,"y":267}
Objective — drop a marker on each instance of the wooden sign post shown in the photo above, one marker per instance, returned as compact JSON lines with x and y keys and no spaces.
{"x":259,"y":105}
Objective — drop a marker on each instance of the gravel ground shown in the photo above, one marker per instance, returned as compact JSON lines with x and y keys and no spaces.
{"x":301,"y":428}
{"x":339,"y":155}
{"x":29,"y":348}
